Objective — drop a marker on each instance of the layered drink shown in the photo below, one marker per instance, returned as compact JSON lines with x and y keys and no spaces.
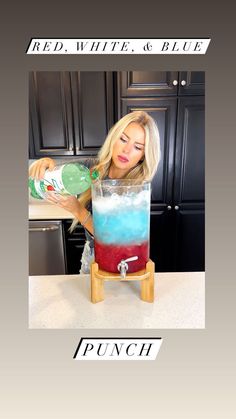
{"x":121,"y":219}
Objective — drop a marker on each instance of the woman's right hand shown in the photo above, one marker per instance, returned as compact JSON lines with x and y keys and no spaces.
{"x":38,"y":168}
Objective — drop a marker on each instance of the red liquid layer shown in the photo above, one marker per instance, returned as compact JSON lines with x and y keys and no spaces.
{"x":109,"y":256}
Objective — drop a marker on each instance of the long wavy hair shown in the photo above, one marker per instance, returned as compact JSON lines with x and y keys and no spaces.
{"x":145,"y":169}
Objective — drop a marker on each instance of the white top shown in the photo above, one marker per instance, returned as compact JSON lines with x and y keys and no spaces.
{"x":64,"y":302}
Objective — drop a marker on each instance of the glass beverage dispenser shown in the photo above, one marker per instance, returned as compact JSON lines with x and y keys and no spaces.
{"x":121,"y":220}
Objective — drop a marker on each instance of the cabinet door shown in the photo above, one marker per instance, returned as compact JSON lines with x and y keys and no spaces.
{"x":161,"y":240}
{"x":31,"y":140}
{"x":163,"y":112}
{"x":191,"y":83}
{"x":189,"y":185}
{"x":93,"y":109}
{"x":50,"y":113}
{"x":189,"y":253}
{"x":147,"y":83}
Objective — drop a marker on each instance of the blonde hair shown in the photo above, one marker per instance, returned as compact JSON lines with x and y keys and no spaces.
{"x":145,"y":169}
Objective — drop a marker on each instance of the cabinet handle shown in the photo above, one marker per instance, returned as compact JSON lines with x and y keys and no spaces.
{"x":77,"y":150}
{"x":176,"y":207}
{"x":175,"y":82}
{"x":50,"y":228}
{"x":71,"y":148}
{"x":183,"y":82}
{"x":169,"y":207}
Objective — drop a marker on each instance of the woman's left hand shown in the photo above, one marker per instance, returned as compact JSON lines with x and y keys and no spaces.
{"x":67,"y":202}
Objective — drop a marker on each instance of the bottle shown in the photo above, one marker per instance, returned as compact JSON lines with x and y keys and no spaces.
{"x":66,"y":179}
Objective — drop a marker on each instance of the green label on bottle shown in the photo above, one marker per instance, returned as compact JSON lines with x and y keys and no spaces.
{"x":68,"y":179}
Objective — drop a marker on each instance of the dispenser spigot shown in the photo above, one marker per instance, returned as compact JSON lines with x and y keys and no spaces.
{"x":123,"y":266}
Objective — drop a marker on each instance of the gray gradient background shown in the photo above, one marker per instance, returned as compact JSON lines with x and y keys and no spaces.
{"x":194,"y":373}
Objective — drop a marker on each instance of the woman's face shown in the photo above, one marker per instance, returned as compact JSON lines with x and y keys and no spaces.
{"x":128,"y":150}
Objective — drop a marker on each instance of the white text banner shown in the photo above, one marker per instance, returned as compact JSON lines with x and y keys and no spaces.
{"x":117,"y":46}
{"x":118,"y":349}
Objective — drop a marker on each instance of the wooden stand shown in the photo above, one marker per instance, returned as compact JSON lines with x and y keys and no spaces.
{"x":146,"y":276}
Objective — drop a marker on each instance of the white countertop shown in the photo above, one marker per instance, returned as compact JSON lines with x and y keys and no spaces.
{"x":42,"y":210}
{"x":63,"y":302}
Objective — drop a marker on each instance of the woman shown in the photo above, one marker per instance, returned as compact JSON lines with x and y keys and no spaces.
{"x":131,"y":150}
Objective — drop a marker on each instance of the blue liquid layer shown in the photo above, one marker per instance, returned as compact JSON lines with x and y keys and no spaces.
{"x":121,"y":227}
